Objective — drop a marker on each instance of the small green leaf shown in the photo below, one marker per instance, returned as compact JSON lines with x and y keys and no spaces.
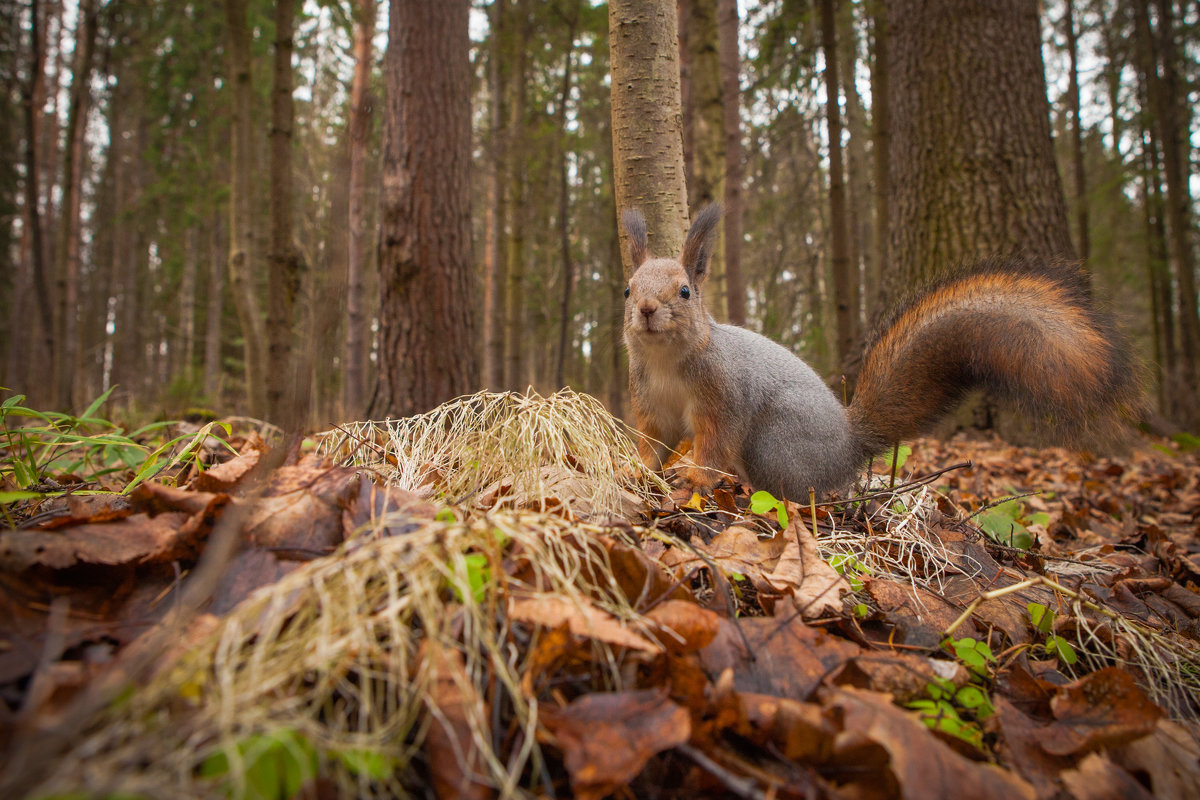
{"x":446,"y":515}
{"x":1061,"y":648}
{"x":371,"y":763}
{"x":14,"y":497}
{"x":1042,"y":617}
{"x":860,"y":610}
{"x":761,"y":502}
{"x":901,"y":455}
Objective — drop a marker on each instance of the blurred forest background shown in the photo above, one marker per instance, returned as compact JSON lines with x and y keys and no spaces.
{"x":190,"y":193}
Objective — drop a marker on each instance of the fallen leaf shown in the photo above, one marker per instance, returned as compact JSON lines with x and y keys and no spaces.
{"x":1169,"y":757}
{"x":607,"y":738}
{"x":582,"y":618}
{"x":686,"y":626}
{"x":455,"y":762}
{"x":816,"y":588}
{"x":1101,"y":709}
{"x":1097,"y":778}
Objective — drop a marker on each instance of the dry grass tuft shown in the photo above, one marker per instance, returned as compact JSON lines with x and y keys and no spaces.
{"x":506,"y":449}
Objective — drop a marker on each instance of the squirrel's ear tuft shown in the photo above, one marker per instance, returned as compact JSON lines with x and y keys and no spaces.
{"x":635,"y":228}
{"x":698,"y":246}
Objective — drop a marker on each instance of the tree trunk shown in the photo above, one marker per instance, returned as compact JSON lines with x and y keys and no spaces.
{"x":972,"y":161}
{"x":287,"y":396}
{"x":564,"y":209}
{"x":706,"y":179}
{"x":1166,"y":357}
{"x":241,"y":230}
{"x":516,"y":203}
{"x":1170,"y":131}
{"x":426,"y":306}
{"x":33,"y":99}
{"x":494,"y":273}
{"x":858,"y":179}
{"x":845,"y":272}
{"x":214,"y":309}
{"x":67,"y":269}
{"x":1080,"y":177}
{"x":881,"y":146}
{"x":647,"y":145}
{"x":731,"y":97}
{"x":361,"y":105}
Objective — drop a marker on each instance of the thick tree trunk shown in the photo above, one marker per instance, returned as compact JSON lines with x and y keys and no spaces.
{"x":427,"y":309}
{"x":67,"y":269}
{"x":361,"y":104}
{"x":845,"y":272}
{"x":287,"y":395}
{"x":731,"y":101}
{"x":241,"y":230}
{"x":647,"y":146}
{"x":972,"y":162}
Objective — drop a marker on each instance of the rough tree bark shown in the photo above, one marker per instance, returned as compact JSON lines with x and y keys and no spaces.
{"x":881,"y":143}
{"x":427,"y":321}
{"x":361,"y":104}
{"x":287,"y":397}
{"x":241,"y":232}
{"x":647,"y":144}
{"x":845,"y":272}
{"x":515,"y":202}
{"x":972,"y":162}
{"x":564,"y":205}
{"x":731,"y":101}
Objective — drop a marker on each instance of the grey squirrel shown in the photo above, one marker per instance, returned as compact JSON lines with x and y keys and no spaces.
{"x":1023,"y":328}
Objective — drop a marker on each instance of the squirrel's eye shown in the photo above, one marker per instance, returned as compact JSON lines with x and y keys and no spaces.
{"x":627,"y":292}
{"x":685,"y":293}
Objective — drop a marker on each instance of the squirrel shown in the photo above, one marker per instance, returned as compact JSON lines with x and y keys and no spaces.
{"x":1023,"y":328}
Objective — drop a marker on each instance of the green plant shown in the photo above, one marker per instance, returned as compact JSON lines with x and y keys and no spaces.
{"x":270,"y":766}
{"x":850,"y":568}
{"x":762,"y":502}
{"x":1055,"y":646}
{"x":39,"y":444}
{"x":959,"y":710}
{"x":1004,"y":523}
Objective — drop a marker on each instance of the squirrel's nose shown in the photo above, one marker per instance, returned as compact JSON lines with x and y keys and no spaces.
{"x":647,"y":307}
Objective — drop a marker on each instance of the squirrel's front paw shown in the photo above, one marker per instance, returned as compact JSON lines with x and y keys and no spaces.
{"x":698,"y":479}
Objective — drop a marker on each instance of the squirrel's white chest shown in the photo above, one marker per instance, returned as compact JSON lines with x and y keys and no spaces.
{"x":669,"y":401}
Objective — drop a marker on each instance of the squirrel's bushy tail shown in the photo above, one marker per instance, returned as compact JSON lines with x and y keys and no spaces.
{"x":1028,"y":331}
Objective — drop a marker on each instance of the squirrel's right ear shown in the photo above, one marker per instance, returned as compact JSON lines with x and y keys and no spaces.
{"x":635,"y":228}
{"x":697,"y":247}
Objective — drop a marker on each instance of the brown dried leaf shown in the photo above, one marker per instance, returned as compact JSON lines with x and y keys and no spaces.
{"x":139,"y":539}
{"x":919,"y":763}
{"x":455,"y":762}
{"x":686,"y":626}
{"x":1097,"y":778}
{"x":1169,"y":757}
{"x":227,"y":476}
{"x":1100,"y":709}
{"x":606,"y":739}
{"x":776,"y":655}
{"x":816,"y":587}
{"x":582,"y":618}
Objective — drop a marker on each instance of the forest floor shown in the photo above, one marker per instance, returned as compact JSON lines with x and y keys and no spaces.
{"x":536,"y":617}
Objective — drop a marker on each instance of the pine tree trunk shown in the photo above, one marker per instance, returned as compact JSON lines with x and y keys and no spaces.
{"x":241,"y":230}
{"x":972,"y":163}
{"x":845,"y":271}
{"x":731,"y":101}
{"x":287,"y":395}
{"x":564,"y":209}
{"x":427,"y":309}
{"x":494,"y":273}
{"x":881,"y":146}
{"x":516,"y":192}
{"x":647,"y":146}
{"x":67,"y":269}
{"x":354,"y":394}
{"x":214,"y":308}
{"x":1079,"y":176}
{"x":1170,"y":131}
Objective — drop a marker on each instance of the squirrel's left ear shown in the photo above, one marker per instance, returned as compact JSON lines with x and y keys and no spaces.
{"x":698,"y":246}
{"x":635,"y":228}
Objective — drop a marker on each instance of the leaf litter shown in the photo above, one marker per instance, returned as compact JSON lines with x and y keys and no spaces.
{"x":494,"y":600}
